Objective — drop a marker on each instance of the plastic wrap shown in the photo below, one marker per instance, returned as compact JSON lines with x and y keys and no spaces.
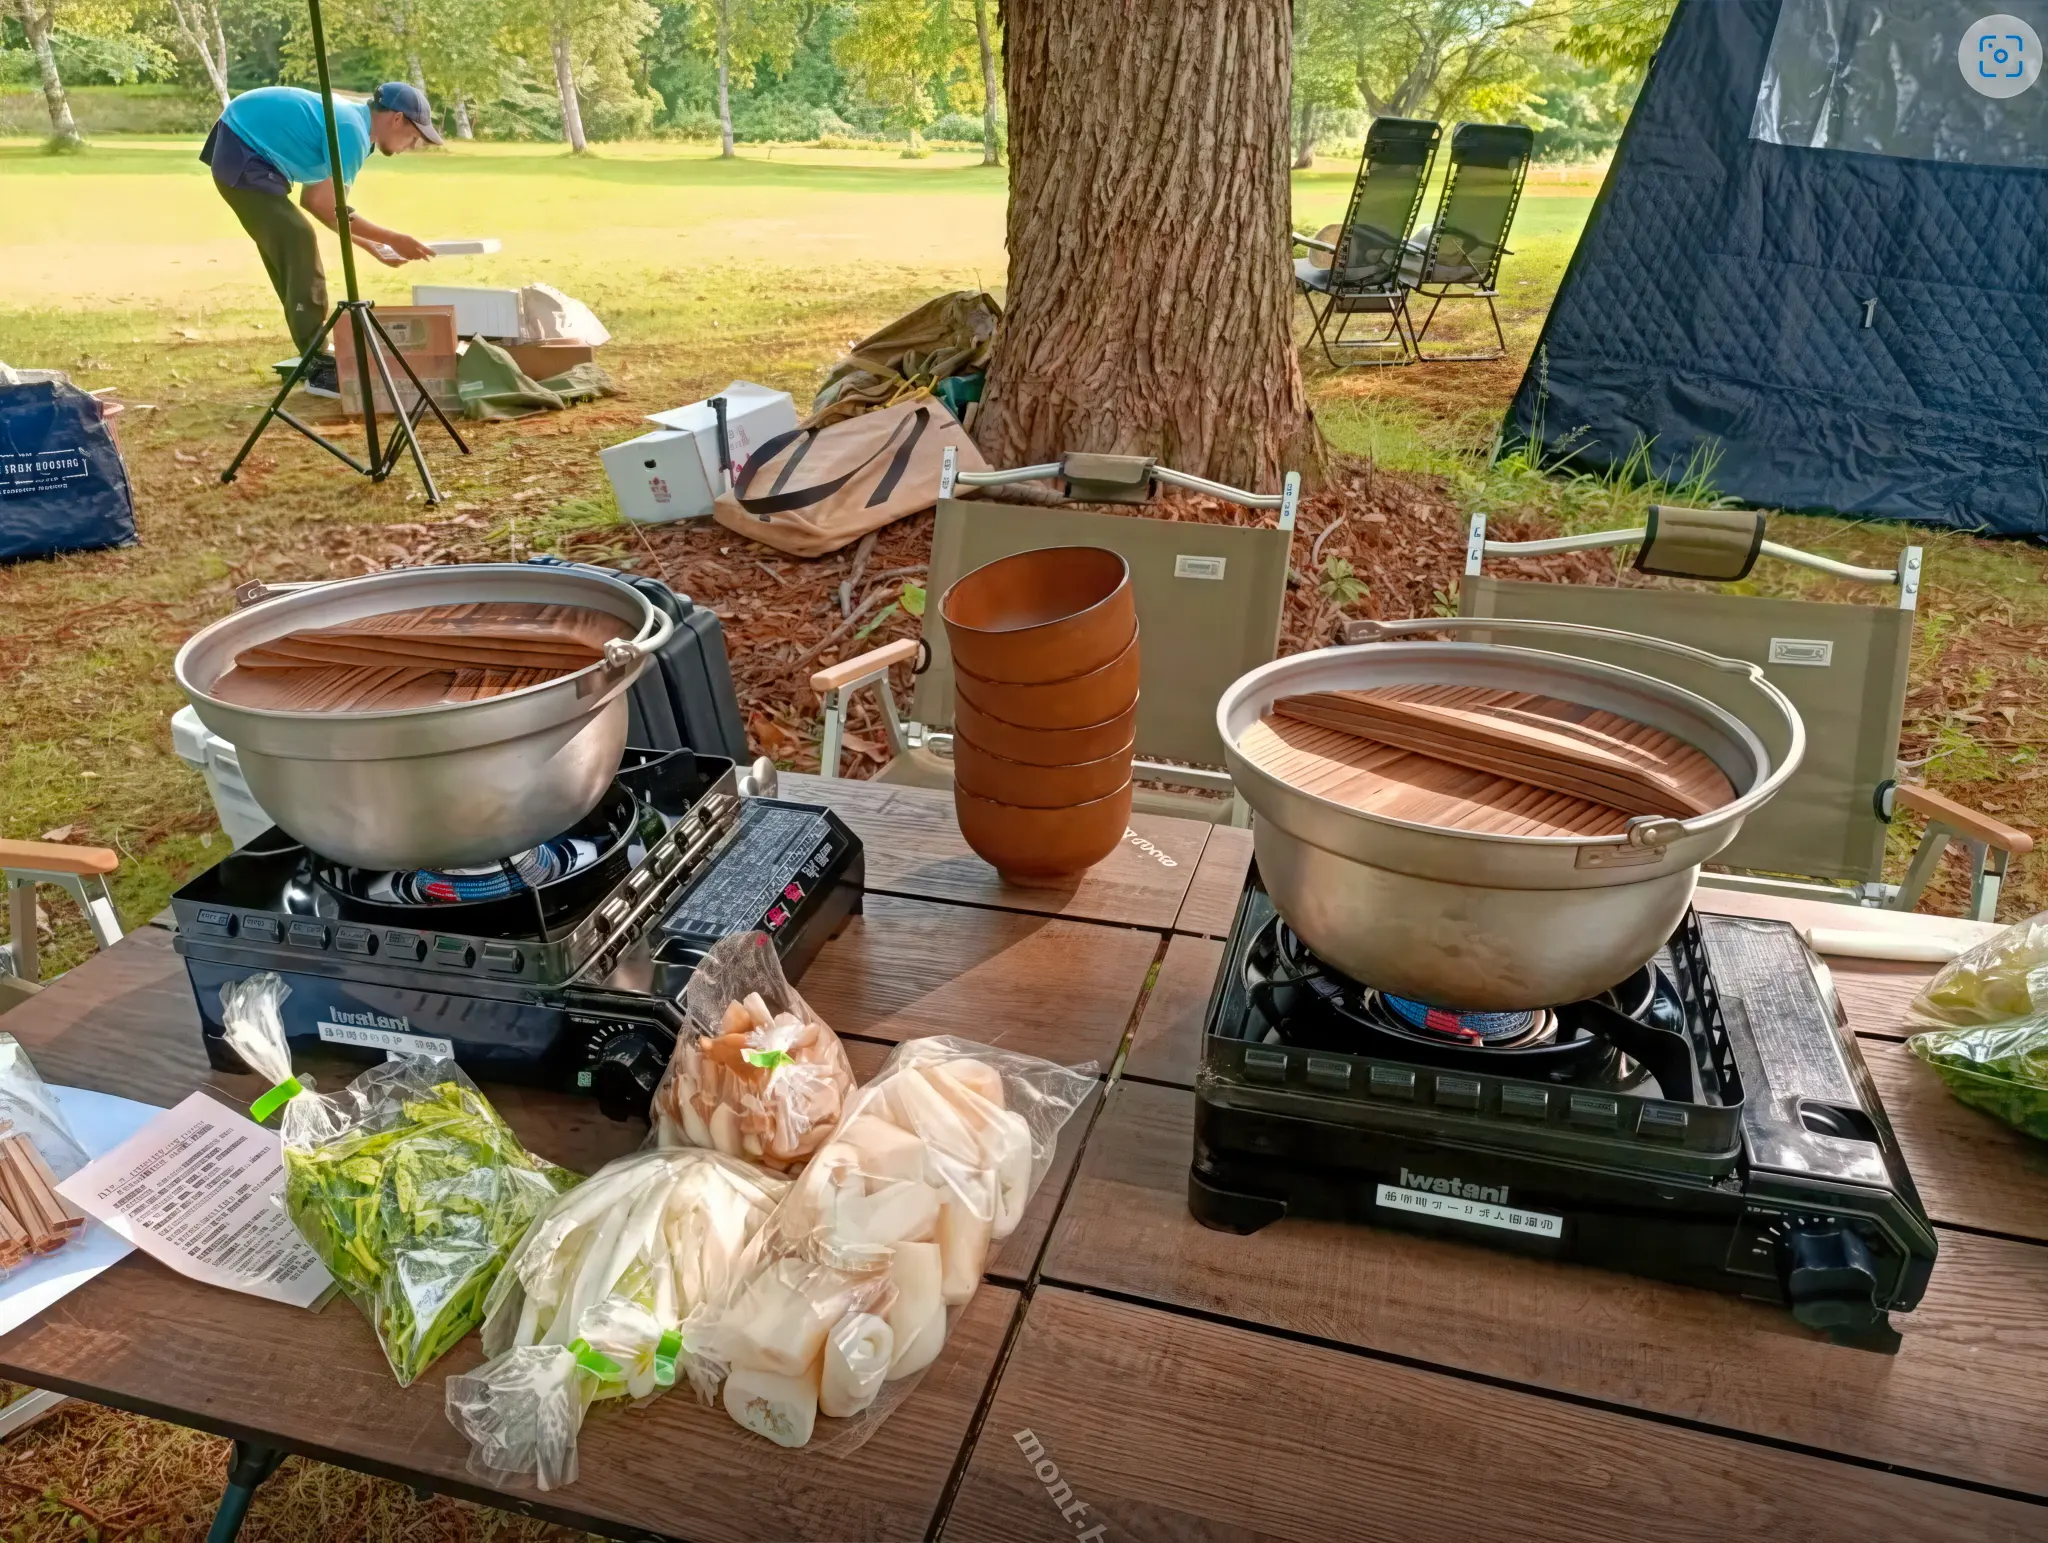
{"x":852,"y":1287}
{"x":1937,"y":80}
{"x":757,"y":1074}
{"x":407,"y":1183}
{"x":1989,"y":1040}
{"x":591,"y":1304}
{"x":27,"y":1108}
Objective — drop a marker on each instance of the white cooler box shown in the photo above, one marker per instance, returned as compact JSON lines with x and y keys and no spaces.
{"x":656,"y":479}
{"x":214,"y":759}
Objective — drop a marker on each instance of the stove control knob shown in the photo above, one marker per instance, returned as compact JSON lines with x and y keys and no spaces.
{"x":625,"y":1073}
{"x":1829,"y":1278}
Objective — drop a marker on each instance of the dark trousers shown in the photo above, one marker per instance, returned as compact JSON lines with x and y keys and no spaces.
{"x":291,"y":255}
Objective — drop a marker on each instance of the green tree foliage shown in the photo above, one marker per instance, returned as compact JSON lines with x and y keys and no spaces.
{"x":1617,"y":34}
{"x":913,"y":60}
{"x":741,"y":36}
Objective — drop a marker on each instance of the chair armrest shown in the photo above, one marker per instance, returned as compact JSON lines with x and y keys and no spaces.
{"x":1310,"y":241}
{"x":57,"y":857}
{"x":839,"y":676}
{"x":1960,"y":817}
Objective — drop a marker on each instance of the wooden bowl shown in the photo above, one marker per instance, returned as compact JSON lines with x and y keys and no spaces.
{"x":1041,"y":616}
{"x":1038,"y":845}
{"x":1043,"y":747}
{"x":1081,"y":702}
{"x":987,"y":775}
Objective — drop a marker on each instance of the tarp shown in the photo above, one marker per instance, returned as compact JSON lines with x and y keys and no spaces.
{"x":492,"y":385}
{"x":1817,"y":273}
{"x":946,"y":338}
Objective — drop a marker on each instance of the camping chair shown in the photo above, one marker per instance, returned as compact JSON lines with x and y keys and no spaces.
{"x":1208,"y":598}
{"x":1457,"y":256}
{"x":1355,"y":267}
{"x":1843,"y":666}
{"x":79,"y":871}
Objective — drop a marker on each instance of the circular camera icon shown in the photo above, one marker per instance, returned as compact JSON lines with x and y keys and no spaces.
{"x":2000,"y":56}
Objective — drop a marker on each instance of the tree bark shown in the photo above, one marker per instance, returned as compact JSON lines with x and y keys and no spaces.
{"x":991,"y":149}
{"x":413,"y":71}
{"x":199,"y":25}
{"x":725,"y":150}
{"x":565,"y":86}
{"x":462,"y":129}
{"x":1305,"y":137}
{"x":1150,"y":298}
{"x":63,"y":127}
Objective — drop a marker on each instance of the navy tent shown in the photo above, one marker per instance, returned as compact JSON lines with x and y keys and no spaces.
{"x":1818,"y":270}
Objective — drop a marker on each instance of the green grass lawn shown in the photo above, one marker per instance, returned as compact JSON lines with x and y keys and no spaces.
{"x":122,"y":266}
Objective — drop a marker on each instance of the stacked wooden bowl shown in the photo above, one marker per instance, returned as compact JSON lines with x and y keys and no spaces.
{"x":1045,"y":672}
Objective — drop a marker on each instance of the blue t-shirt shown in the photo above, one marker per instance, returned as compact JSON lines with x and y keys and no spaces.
{"x":284,"y":125}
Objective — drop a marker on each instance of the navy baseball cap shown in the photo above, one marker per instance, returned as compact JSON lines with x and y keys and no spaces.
{"x":410,"y":103}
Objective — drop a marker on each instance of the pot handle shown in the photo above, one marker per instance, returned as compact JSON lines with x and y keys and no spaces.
{"x":624,"y":653}
{"x":1648,"y":832}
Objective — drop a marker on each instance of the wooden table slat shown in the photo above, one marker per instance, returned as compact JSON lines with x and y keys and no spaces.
{"x":1218,"y":884}
{"x":1171,"y":1429}
{"x":1971,"y":1170}
{"x":914,"y":847}
{"x":1166,"y":1046}
{"x":1963,"y":1397}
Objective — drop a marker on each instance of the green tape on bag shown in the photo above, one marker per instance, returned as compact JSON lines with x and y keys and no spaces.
{"x":665,"y":1352}
{"x":598,"y":1364}
{"x":275,"y":1099}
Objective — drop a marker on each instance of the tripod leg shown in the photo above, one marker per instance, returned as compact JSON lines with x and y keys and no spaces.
{"x":430,"y":405}
{"x":299,"y":372}
{"x":404,"y":431}
{"x":359,"y":320}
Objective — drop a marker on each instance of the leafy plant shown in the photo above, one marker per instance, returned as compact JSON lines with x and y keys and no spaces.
{"x":1339,"y":584}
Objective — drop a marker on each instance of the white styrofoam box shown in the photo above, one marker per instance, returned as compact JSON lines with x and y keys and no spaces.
{"x":214,"y":759}
{"x":660,"y":477}
{"x":753,"y":416}
{"x":490,"y":313}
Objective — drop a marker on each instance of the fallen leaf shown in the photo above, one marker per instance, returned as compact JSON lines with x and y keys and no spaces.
{"x":61,"y":833}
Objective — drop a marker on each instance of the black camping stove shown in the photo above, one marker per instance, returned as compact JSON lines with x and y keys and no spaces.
{"x":1706,"y":1121}
{"x":563,"y":966}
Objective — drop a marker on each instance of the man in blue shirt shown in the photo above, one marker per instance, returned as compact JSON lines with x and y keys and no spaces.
{"x":270,"y":138}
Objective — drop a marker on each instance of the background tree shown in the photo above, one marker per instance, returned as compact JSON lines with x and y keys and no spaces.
{"x":579,"y":37}
{"x":38,"y":21}
{"x":741,"y":34}
{"x":1150,"y":300}
{"x":915,"y":59}
{"x":1325,"y":71}
{"x":986,"y":45}
{"x":200,"y":30}
{"x":1617,"y":34}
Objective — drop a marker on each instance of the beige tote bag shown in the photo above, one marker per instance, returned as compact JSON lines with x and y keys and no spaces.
{"x":815,"y":490}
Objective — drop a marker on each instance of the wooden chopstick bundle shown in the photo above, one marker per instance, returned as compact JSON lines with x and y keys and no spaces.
{"x":34,"y":1218}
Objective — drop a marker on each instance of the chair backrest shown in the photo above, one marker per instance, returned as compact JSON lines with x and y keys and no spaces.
{"x":1843,"y":666}
{"x":1489,"y":165}
{"x":1208,"y":599}
{"x":1385,"y":199}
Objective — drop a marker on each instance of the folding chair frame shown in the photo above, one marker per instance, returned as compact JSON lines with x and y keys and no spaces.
{"x":1481,"y":288}
{"x":1346,"y":299}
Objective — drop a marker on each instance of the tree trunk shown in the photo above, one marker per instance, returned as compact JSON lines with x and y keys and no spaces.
{"x":413,"y":72}
{"x":725,"y":80}
{"x":219,"y":69}
{"x":1150,"y":298}
{"x":63,"y":127}
{"x":1305,"y":137}
{"x":991,"y":150}
{"x":199,"y":25}
{"x":565,"y":85}
{"x":462,"y":129}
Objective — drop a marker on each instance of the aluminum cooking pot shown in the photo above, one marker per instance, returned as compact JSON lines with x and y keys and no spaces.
{"x":432,"y":787}
{"x":1470,"y":919}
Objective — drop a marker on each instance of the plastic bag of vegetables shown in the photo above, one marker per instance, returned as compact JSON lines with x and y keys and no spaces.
{"x":407,"y":1183}
{"x":851,"y":1288}
{"x":1990,"y":1040}
{"x":1995,"y":982}
{"x":591,"y":1304}
{"x":757,"y":1075}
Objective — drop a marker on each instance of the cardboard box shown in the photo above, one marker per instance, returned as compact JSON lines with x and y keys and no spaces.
{"x":753,"y":416}
{"x":425,"y":335}
{"x":489,"y":313}
{"x":660,"y":477}
{"x":540,"y":360}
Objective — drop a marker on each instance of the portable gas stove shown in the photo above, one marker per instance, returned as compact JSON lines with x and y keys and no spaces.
{"x":1707,"y":1121}
{"x":563,"y":966}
